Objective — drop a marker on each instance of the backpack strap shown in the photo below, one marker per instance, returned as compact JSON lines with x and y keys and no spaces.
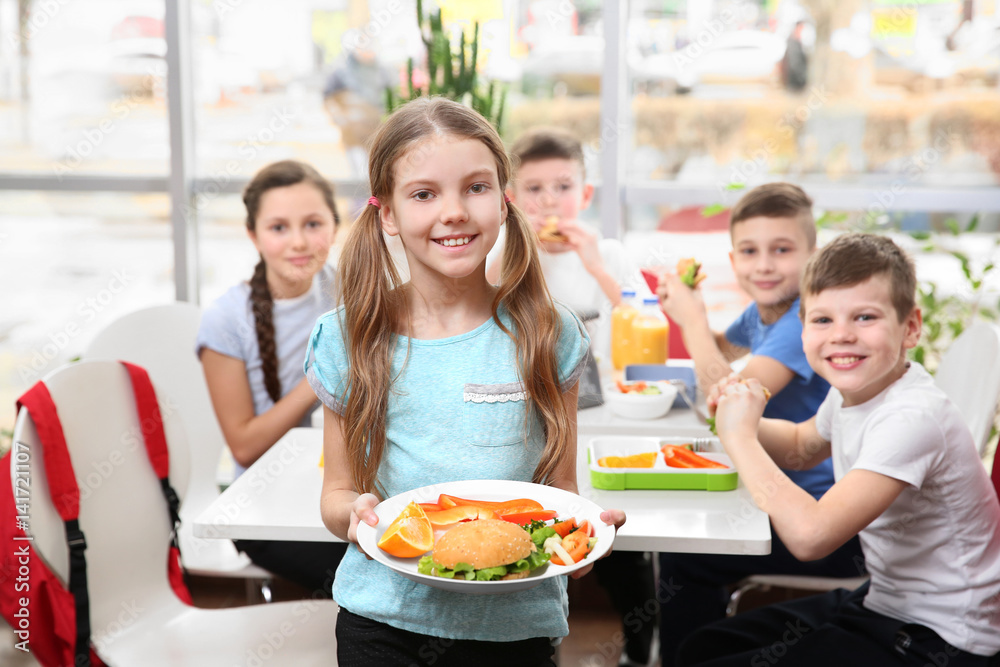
{"x":66,"y":498}
{"x":151,"y":421}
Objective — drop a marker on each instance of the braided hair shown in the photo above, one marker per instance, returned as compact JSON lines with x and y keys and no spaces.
{"x":276,"y":175}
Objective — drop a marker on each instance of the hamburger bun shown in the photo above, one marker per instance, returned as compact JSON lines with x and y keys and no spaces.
{"x":549,"y":231}
{"x":484,"y":543}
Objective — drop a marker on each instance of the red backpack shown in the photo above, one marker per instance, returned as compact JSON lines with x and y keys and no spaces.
{"x":51,"y":619}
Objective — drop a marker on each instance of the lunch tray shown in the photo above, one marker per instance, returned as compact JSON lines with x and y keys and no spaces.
{"x":660,"y":476}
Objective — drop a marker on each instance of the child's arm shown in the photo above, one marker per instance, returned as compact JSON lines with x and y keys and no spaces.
{"x":340,"y":505}
{"x":585,"y":243}
{"x":250,"y":435}
{"x":793,"y":446}
{"x":810,"y":529}
{"x":710,"y":351}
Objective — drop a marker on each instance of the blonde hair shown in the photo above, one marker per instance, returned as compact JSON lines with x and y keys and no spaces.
{"x":374,"y":309}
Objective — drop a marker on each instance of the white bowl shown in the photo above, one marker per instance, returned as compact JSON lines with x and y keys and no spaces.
{"x":640,"y":406}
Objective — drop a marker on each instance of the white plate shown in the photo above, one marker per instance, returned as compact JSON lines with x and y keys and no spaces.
{"x":566,"y":505}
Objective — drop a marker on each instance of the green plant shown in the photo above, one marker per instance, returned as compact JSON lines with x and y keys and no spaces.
{"x":946,"y":316}
{"x":450,"y":74}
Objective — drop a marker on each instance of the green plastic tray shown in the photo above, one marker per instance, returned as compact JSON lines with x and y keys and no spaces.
{"x":660,"y":476}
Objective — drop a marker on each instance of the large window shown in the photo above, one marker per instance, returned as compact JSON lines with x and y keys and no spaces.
{"x":82,"y":87}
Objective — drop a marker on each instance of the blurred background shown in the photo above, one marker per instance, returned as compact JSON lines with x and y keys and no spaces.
{"x":119,"y":181}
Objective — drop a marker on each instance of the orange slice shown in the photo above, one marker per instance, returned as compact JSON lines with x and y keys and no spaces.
{"x":643,"y":460}
{"x":409,"y":535}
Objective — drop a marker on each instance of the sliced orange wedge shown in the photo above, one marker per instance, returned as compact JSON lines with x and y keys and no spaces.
{"x":409,"y":535}
{"x":643,"y":460}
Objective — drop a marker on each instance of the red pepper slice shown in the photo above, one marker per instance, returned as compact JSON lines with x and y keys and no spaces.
{"x":577,"y":544}
{"x":564,"y":528}
{"x":681,"y":457}
{"x":453,"y":515}
{"x":518,"y":504}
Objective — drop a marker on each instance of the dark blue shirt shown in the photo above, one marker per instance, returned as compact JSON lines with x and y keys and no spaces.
{"x":801,"y":398}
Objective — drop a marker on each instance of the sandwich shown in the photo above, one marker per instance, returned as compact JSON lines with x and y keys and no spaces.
{"x":549,"y":231}
{"x":710,"y":421}
{"x":690,"y":272}
{"x":484,"y":550}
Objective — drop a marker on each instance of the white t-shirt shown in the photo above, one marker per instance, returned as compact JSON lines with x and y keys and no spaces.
{"x":934,"y":554}
{"x":228,"y":327}
{"x":570,"y":283}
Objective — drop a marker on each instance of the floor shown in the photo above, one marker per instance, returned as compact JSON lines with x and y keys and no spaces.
{"x":592,"y":640}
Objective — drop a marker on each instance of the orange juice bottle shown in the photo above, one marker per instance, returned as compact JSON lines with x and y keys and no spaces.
{"x":649,"y":334}
{"x":621,"y":329}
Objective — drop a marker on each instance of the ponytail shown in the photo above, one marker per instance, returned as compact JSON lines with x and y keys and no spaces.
{"x":537,"y":325}
{"x":262,"y":304}
{"x":373,"y":308}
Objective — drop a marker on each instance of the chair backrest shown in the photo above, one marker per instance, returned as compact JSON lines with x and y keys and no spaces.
{"x":969,"y":373}
{"x":161,"y":339}
{"x":122,"y":509}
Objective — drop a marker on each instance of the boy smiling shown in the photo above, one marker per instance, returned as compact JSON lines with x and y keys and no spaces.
{"x":773,"y":236}
{"x":909,"y":482}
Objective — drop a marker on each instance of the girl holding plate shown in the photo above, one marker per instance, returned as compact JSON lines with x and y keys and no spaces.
{"x":441,"y":378}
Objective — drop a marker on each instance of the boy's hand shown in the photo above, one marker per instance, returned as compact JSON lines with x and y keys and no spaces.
{"x":582,"y":241}
{"x":739,"y":405}
{"x":682,"y":303}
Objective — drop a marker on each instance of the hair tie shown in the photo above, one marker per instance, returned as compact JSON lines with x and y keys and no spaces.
{"x":506,"y":199}
{"x":373,"y":201}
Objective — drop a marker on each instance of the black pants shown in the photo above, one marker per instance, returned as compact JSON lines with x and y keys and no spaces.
{"x":362,"y":642}
{"x":627,"y":576}
{"x":692,"y":586}
{"x":831,"y":629}
{"x":311,"y":565}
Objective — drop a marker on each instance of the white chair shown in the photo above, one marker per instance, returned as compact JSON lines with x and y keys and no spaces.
{"x":135,"y":617}
{"x":161,"y":339}
{"x":969,"y":374}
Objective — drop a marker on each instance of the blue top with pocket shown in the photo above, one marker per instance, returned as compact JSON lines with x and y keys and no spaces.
{"x":456,"y":412}
{"x":801,"y":398}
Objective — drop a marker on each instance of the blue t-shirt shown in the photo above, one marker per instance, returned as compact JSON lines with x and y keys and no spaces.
{"x":801,"y":398}
{"x":456,"y":412}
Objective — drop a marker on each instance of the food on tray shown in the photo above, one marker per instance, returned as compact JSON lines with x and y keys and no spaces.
{"x":409,"y":535}
{"x":689,"y":271}
{"x":484,"y":550}
{"x":678,"y":456}
{"x":549,"y":231}
{"x":640,"y":387}
{"x":642,"y":460}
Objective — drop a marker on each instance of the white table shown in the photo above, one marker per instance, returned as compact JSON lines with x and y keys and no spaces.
{"x":278,"y":497}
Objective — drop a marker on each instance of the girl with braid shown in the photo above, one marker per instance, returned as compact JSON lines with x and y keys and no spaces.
{"x":252,"y":339}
